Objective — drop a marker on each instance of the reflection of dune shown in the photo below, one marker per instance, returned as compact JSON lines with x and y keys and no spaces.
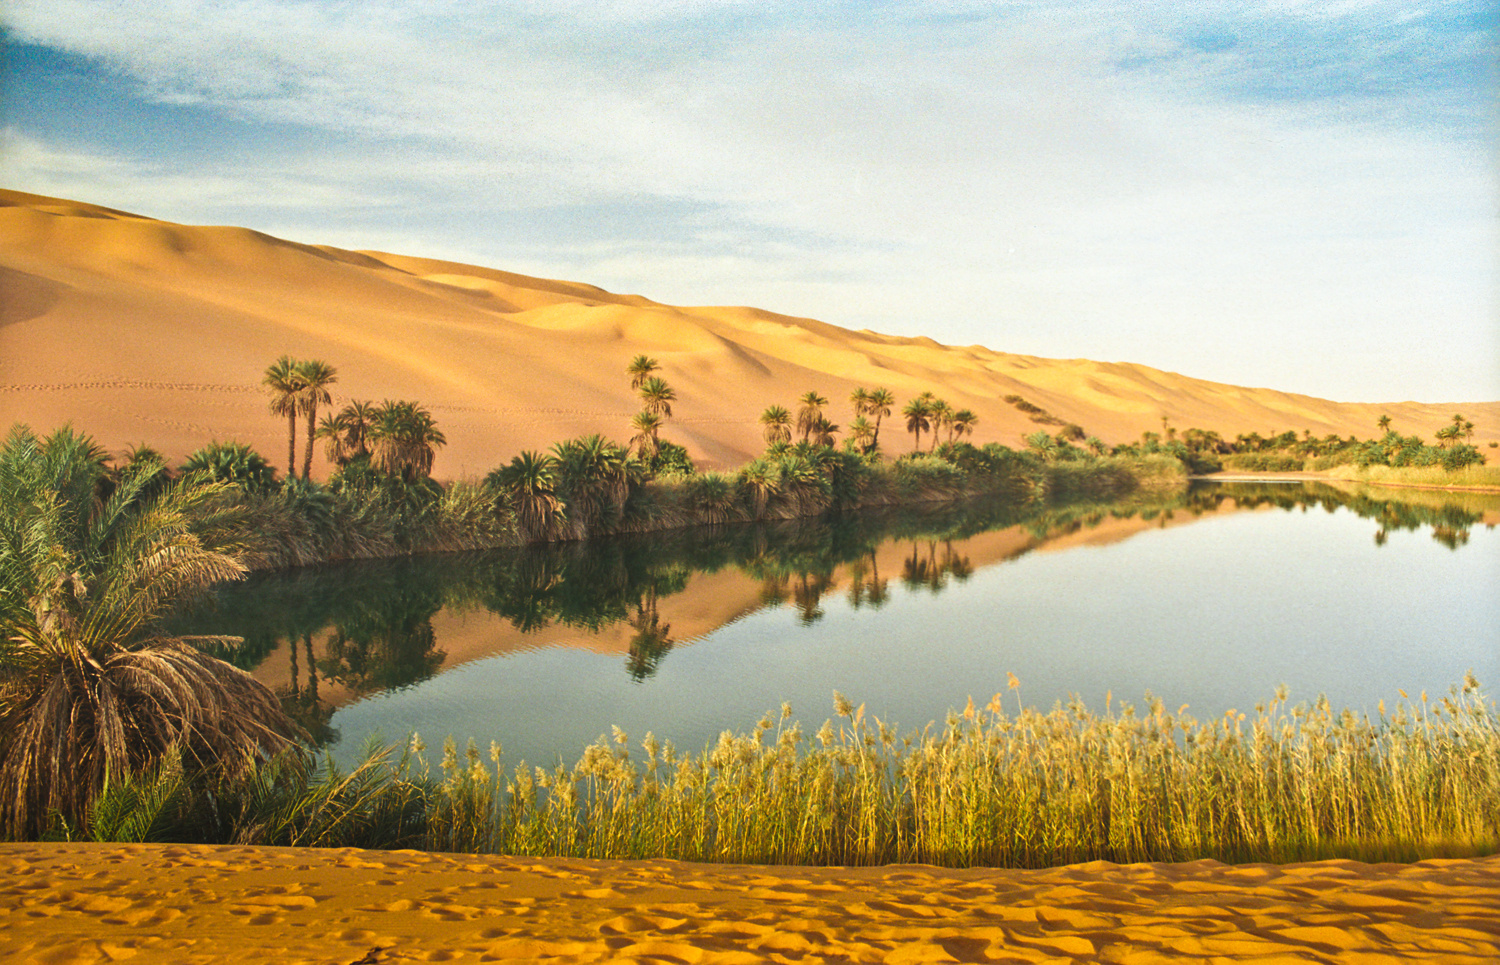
{"x":712,"y":600}
{"x":231,"y":904}
{"x":141,"y":330}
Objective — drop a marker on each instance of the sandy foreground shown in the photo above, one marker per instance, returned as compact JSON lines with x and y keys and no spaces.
{"x":172,"y":903}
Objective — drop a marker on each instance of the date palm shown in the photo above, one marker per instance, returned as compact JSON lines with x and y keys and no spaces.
{"x":881,"y":402}
{"x":316,"y":377}
{"x":404,"y":439}
{"x":941,"y":415}
{"x":862,"y":434}
{"x":918,"y":415}
{"x":347,"y":433}
{"x":778,"y":424}
{"x":640,"y":369}
{"x":646,"y":426}
{"x":657,"y":397}
{"x":90,"y":684}
{"x":283,"y":380}
{"x":963,"y":423}
{"x":809,"y":414}
{"x":1384,"y":422}
{"x":529,"y":484}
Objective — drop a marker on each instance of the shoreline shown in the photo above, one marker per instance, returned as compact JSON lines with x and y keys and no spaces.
{"x":225,"y":903}
{"x":1304,"y":476}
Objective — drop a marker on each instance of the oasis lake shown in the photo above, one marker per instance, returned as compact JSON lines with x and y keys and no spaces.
{"x":1210,"y":598}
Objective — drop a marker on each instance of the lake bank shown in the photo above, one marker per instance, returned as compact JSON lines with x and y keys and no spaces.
{"x":98,"y":903}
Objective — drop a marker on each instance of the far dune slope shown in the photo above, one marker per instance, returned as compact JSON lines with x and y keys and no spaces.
{"x":138,"y":330}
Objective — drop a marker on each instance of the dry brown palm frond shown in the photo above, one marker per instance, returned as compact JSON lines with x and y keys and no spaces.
{"x":77,"y":719}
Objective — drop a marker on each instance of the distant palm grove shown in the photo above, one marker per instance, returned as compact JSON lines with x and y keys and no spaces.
{"x":96,"y":551}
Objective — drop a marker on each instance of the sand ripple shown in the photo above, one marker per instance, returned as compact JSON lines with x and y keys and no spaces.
{"x":146,"y":903}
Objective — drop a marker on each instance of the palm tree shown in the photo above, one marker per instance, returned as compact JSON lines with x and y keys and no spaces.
{"x":942,"y":418}
{"x":763,"y":480}
{"x":963,"y":423}
{"x":403,"y":439}
{"x":823,"y":432}
{"x":529,"y":483}
{"x":778,"y":424}
{"x":316,"y":377}
{"x":860,"y":400}
{"x":283,"y":379}
{"x":917,"y":413}
{"x":646,"y":426}
{"x":810,"y":413}
{"x":1384,"y":422}
{"x":657,"y":397}
{"x":879,"y":405}
{"x":592,"y":478}
{"x":862,"y":434}
{"x":90,"y":684}
{"x":347,"y":433}
{"x":640,"y":369}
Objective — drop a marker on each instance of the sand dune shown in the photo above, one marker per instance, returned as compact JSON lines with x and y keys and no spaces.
{"x":139,"y":330}
{"x":167,"y":903}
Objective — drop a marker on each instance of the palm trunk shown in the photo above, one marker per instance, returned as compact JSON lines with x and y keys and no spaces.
{"x":312,"y":415}
{"x":291,"y":444}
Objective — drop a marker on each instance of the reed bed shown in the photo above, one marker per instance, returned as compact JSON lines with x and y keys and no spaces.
{"x":1478,"y":476}
{"x":987,"y":788}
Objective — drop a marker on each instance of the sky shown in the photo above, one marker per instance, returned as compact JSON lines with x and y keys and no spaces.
{"x":1278,"y":193}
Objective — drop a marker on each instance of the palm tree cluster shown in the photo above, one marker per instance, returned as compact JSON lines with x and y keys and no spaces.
{"x":656,"y":407}
{"x":297,"y":389}
{"x":91,"y":688}
{"x":928,"y":413}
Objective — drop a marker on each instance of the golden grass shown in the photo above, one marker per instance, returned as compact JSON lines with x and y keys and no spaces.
{"x":1030,"y":790}
{"x":1475,"y":476}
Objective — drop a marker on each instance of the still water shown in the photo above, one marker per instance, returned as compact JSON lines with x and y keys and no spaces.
{"x":1212,"y":598}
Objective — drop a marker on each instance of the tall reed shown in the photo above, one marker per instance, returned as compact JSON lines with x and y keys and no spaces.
{"x":986,"y":788}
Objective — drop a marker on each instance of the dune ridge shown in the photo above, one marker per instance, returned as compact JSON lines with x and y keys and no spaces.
{"x":140,"y":330}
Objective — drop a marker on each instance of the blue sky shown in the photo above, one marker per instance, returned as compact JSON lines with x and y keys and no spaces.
{"x":1299,"y":195}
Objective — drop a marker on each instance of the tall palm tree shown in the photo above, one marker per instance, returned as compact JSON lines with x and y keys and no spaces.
{"x":284,"y":381}
{"x":941,"y":415}
{"x":860,"y":400}
{"x":810,"y":413}
{"x":646,"y":426}
{"x":823,"y":432}
{"x":316,"y":377}
{"x":90,"y":683}
{"x":1384,"y":422}
{"x":347,"y":433}
{"x":657,"y":397}
{"x":640,"y":369}
{"x":862,"y":434}
{"x":778,"y":424}
{"x":881,"y":402}
{"x":918,"y":414}
{"x":963,"y":423}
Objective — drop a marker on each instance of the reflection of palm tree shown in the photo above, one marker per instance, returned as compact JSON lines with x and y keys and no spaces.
{"x":807,"y":594}
{"x":651,"y":640}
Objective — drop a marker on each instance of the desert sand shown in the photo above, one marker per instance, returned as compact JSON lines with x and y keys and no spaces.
{"x":139,"y":330}
{"x":83,"y":903}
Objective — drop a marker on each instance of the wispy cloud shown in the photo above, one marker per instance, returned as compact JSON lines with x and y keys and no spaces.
{"x":1063,"y":179}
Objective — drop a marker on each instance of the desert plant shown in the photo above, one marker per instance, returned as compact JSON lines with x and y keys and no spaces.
{"x":89,"y":685}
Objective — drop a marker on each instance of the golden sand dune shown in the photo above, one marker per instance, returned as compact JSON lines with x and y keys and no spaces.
{"x":166,"y":903}
{"x":139,"y":330}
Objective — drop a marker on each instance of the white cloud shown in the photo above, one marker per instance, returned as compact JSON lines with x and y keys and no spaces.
{"x":995,"y":179}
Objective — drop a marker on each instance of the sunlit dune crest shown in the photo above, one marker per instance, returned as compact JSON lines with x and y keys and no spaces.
{"x":139,"y":330}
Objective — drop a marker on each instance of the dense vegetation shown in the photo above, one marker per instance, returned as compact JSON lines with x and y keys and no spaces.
{"x":112,"y":726}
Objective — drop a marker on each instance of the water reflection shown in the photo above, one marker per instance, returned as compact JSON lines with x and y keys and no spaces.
{"x":325,"y":637}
